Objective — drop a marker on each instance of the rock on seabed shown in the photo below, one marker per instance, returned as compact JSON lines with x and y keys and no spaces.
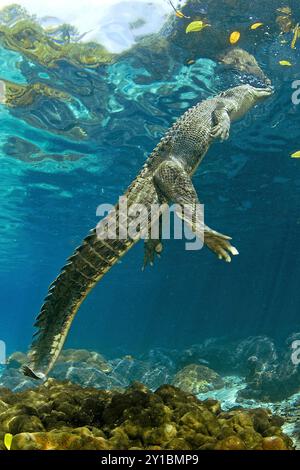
{"x":196,"y":379}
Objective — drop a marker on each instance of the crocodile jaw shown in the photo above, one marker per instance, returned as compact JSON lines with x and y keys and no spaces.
{"x":246,"y":97}
{"x":262,"y":93}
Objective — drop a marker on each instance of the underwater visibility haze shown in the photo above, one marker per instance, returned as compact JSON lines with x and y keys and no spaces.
{"x":87,"y":91}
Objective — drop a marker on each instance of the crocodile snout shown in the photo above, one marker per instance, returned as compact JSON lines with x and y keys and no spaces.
{"x":264,"y":92}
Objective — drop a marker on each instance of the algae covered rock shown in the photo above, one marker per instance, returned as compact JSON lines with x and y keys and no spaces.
{"x":20,"y":423}
{"x":55,"y":440}
{"x":149,"y":372}
{"x":93,"y":358}
{"x":196,"y":379}
{"x":64,"y":416}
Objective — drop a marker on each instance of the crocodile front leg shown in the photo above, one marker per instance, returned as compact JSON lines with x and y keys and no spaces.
{"x":221,"y":121}
{"x":175,"y":185}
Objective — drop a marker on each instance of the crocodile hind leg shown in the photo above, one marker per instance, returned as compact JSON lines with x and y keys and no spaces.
{"x":153,"y":247}
{"x":175,"y":185}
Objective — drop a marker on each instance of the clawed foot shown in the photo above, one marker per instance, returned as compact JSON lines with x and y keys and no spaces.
{"x":220,"y":245}
{"x":152,"y":248}
{"x":220,"y":131}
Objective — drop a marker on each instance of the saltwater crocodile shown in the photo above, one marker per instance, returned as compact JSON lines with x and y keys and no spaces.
{"x":165,"y":177}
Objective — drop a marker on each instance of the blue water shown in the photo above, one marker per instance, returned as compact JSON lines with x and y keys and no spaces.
{"x":53,"y":177}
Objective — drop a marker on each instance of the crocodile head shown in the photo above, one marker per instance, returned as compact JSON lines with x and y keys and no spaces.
{"x":240,"y":99}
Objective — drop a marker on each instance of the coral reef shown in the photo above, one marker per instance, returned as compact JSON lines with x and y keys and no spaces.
{"x":61,"y":415}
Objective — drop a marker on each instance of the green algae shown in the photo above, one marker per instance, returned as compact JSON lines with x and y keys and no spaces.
{"x":30,"y":39}
{"x":24,"y":95}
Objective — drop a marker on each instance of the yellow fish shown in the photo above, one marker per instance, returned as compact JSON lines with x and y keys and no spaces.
{"x":256,"y":25}
{"x":196,"y":26}
{"x":296,"y":35}
{"x":8,"y":440}
{"x":234,"y":37}
{"x":285,"y":63}
{"x":296,"y":154}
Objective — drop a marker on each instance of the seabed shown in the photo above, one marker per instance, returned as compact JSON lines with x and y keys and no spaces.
{"x":95,"y":403}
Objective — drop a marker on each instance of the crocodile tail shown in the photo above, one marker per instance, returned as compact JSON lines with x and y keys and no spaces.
{"x":84,"y":269}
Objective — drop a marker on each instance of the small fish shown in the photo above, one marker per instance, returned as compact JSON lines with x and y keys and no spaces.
{"x":296,"y":35}
{"x":296,"y":154}
{"x":178,"y":13}
{"x":190,"y":62}
{"x":256,"y":25}
{"x":128,"y":357}
{"x":8,"y":440}
{"x":204,"y":362}
{"x":234,"y":37}
{"x":285,"y":63}
{"x":196,"y":26}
